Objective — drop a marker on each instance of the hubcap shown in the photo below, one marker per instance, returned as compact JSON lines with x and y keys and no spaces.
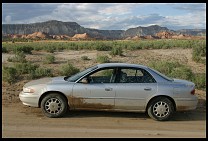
{"x":161,"y":109}
{"x":53,"y":106}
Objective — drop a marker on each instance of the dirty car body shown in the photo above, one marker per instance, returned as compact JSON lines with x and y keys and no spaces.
{"x":112,"y":87}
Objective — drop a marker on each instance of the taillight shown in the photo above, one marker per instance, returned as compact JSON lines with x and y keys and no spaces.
{"x":193,"y":92}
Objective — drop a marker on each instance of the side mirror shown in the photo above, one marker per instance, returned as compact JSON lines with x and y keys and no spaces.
{"x":84,"y":81}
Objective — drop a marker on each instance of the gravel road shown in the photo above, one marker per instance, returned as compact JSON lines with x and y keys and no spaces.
{"x":22,"y":121}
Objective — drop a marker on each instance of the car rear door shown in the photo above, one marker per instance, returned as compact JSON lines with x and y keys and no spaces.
{"x":133,"y":88}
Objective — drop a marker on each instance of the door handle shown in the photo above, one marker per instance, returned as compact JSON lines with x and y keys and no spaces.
{"x":147,"y":89}
{"x":108,"y":89}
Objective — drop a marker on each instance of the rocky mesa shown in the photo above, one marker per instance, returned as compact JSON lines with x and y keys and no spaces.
{"x":71,"y":30}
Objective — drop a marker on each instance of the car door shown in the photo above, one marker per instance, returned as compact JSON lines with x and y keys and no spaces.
{"x":133,"y":88}
{"x":97,"y":93}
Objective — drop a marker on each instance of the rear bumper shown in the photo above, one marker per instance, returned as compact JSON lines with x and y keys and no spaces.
{"x":186,"y":104}
{"x":29,"y":99}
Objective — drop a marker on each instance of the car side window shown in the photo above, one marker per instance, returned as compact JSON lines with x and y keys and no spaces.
{"x":135,"y":75}
{"x":102,"y":76}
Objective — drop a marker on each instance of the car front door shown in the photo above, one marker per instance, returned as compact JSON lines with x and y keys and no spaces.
{"x":98,"y":92}
{"x":133,"y":87}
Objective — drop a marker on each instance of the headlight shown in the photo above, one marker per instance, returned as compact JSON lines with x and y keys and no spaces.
{"x":28,"y":90}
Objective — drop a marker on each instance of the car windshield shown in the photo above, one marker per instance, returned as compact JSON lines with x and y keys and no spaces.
{"x":162,"y":75}
{"x":73,"y":78}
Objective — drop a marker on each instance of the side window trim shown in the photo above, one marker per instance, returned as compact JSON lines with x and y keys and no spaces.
{"x":136,"y":69}
{"x":100,"y":69}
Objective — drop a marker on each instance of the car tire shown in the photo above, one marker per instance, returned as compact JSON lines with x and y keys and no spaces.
{"x":54,"y":105}
{"x":160,"y":109}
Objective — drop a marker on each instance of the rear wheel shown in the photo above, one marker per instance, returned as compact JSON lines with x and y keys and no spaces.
{"x":54,"y":105}
{"x":161,"y":109}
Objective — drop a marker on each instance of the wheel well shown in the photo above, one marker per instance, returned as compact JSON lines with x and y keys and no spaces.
{"x":49,"y":92}
{"x":171,"y":99}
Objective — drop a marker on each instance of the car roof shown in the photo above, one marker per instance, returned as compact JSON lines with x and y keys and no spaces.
{"x":120,"y":65}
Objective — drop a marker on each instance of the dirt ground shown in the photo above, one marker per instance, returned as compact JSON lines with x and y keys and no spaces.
{"x":22,"y":121}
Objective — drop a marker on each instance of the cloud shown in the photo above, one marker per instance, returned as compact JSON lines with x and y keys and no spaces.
{"x":8,"y":19}
{"x":186,"y":21}
{"x":117,"y":9}
{"x":194,"y":7}
{"x":109,"y":16}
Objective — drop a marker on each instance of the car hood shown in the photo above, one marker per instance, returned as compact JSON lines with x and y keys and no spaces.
{"x":180,"y":81}
{"x":45,"y":81}
{"x":59,"y":79}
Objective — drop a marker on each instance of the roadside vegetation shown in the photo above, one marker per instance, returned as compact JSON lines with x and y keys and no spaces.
{"x":20,"y":68}
{"x":116,"y":47}
{"x":177,"y":70}
{"x":103,"y":59}
{"x":104,"y":45}
{"x":49,"y":59}
{"x":68,"y":69}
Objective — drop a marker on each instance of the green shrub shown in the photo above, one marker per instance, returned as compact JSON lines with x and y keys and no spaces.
{"x":49,"y":59}
{"x":85,"y":58}
{"x":68,"y":70}
{"x":164,"y":66}
{"x":25,"y":68}
{"x":41,"y":72}
{"x":50,"y":49}
{"x":4,"y":49}
{"x":199,"y":51}
{"x":24,"y":49}
{"x":182,"y":73}
{"x":200,"y":80}
{"x":116,"y":51}
{"x":9,"y":74}
{"x":103,"y":59}
{"x":172,"y":69}
{"x":105,"y":45}
{"x":102,"y":46}
{"x":176,"y":70}
{"x":19,"y":57}
{"x":107,"y":72}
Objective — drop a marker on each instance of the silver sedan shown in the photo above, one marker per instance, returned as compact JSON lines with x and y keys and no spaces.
{"x":112,"y":87}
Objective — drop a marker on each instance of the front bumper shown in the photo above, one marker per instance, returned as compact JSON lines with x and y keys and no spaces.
{"x":29,"y":99}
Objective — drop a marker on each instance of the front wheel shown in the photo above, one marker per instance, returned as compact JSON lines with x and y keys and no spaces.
{"x":54,"y":105}
{"x":160,"y":109}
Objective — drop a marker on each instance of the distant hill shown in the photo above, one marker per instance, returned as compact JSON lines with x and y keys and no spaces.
{"x":54,"y":27}
{"x":58,"y":29}
{"x":193,"y":32}
{"x":143,"y":31}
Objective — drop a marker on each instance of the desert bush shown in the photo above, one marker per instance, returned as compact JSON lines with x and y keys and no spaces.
{"x":182,"y":72}
{"x":24,"y":49}
{"x":200,"y":80}
{"x":41,"y":72}
{"x":19,"y":57}
{"x":176,"y":70}
{"x":116,"y":51}
{"x":49,"y":59}
{"x":102,"y":46}
{"x":85,"y":58}
{"x":106,"y":45}
{"x":172,"y":69}
{"x":68,"y":69}
{"x":37,"y":48}
{"x":9,"y":74}
{"x":164,"y":66}
{"x":50,"y":49}
{"x":199,"y":51}
{"x":103,"y":59}
{"x":4,"y":49}
{"x":25,"y":68}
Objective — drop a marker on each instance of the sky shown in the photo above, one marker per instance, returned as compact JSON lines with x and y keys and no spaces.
{"x":109,"y":16}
